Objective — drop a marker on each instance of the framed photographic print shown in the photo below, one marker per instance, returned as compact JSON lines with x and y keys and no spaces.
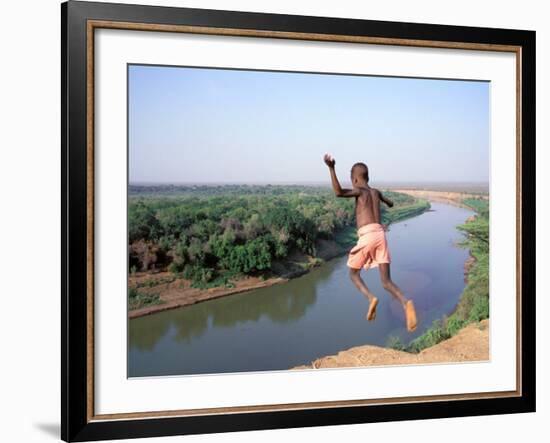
{"x":277,"y":221}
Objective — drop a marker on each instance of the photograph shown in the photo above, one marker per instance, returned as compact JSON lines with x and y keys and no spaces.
{"x":299,"y":221}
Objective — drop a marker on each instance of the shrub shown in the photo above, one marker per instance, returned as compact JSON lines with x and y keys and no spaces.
{"x":395,"y":342}
{"x":145,"y":254}
{"x":480,"y":309}
{"x":454,"y":324}
{"x":435,"y":334}
{"x":142,"y":223}
{"x":175,"y":267}
{"x":137,"y":299}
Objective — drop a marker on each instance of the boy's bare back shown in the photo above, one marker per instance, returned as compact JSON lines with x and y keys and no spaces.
{"x":367,"y":206}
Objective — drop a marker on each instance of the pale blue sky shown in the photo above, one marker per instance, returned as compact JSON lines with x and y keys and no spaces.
{"x":216,"y":125}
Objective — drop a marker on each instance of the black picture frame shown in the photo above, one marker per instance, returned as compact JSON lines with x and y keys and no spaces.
{"x":76,"y":422}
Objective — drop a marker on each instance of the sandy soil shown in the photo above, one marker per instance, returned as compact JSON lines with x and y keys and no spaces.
{"x":469,"y":344}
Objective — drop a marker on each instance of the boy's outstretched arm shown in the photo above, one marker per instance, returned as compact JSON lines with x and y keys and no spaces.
{"x":386,"y":200}
{"x":338,"y":190}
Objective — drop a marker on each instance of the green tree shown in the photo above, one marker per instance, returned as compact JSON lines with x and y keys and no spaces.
{"x":142,"y":223}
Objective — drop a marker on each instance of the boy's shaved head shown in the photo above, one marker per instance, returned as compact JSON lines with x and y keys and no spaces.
{"x":360,"y":170}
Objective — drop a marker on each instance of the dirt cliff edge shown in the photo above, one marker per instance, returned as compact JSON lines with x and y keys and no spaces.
{"x":471,"y":343}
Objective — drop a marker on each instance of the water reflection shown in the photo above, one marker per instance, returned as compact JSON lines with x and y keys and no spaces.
{"x":280,"y":304}
{"x":143,"y":335}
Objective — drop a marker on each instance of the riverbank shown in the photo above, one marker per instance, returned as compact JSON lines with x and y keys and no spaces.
{"x":449,"y":197}
{"x":470,"y":344}
{"x":175,"y":292}
{"x":473,"y":305}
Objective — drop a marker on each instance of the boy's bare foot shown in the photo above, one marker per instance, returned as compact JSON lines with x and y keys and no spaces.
{"x":410,"y":314}
{"x":371,"y":315}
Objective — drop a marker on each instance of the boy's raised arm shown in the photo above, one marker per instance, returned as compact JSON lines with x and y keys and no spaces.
{"x":386,"y":200}
{"x":338,"y":190}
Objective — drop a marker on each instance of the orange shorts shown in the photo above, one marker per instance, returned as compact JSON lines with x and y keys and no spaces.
{"x":371,"y":248}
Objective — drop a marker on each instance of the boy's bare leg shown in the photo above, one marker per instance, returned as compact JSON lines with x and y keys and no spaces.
{"x":360,"y":284}
{"x":389,"y":285}
{"x":393,"y":289}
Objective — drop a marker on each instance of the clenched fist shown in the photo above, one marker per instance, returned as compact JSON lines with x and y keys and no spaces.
{"x":329,"y":161}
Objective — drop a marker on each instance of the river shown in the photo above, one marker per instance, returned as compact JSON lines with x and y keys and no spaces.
{"x":315,"y":315}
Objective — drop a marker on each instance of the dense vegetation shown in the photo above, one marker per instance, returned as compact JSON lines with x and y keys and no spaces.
{"x":209,"y":234}
{"x":474,"y":301}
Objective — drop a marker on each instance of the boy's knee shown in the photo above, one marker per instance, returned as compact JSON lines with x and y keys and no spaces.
{"x":354,"y":273}
{"x":386,"y":284}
